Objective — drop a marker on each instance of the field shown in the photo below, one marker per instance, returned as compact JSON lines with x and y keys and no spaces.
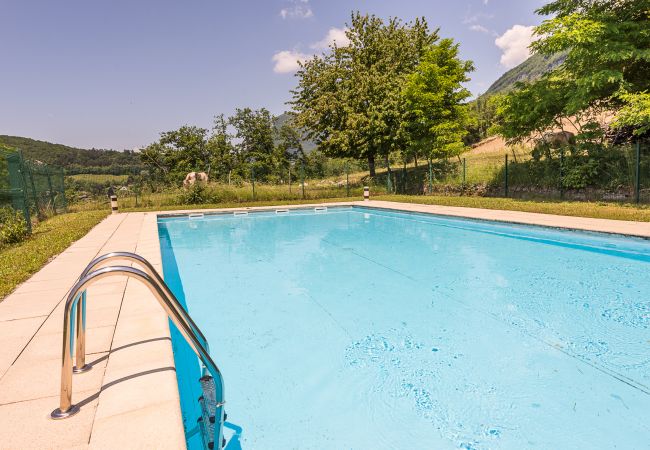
{"x":101,"y":179}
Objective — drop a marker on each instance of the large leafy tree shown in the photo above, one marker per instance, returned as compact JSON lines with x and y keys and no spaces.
{"x":349,"y":98}
{"x":289,"y":141}
{"x":435,"y":119}
{"x":607,"y":47}
{"x":221,"y":148}
{"x":254,"y":131}
{"x":179,"y":152}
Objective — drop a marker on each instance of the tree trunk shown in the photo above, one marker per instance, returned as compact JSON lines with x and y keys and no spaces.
{"x":371,"y":165}
{"x":415,"y":157}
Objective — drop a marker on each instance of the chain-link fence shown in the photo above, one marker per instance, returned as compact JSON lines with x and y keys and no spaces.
{"x":31,"y":187}
{"x":597,"y":174}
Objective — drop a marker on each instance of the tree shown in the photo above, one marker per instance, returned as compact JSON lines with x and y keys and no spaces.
{"x":289,"y":141}
{"x":482,"y":118}
{"x":436,"y":119}
{"x":222,"y":150}
{"x":254,"y":130}
{"x":178,"y":152}
{"x":349,"y":98}
{"x":635,"y":113}
{"x":607,"y":61}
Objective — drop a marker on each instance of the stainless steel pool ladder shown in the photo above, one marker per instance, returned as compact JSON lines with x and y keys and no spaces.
{"x":75,"y":309}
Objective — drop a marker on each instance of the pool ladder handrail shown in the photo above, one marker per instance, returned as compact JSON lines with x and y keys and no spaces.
{"x":165,"y":298}
{"x":80,"y":329}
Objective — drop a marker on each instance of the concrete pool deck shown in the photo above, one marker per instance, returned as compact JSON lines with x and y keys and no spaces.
{"x":130,"y":399}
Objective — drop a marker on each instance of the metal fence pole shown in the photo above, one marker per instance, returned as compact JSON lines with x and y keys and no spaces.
{"x":29,"y":173}
{"x":561,"y":173}
{"x":506,"y":176}
{"x":49,"y":183}
{"x":389,"y":182}
{"x":18,"y":186}
{"x":430,"y":176}
{"x":289,"y":170}
{"x":62,"y":184}
{"x":347,"y":178}
{"x":637,"y":193}
{"x":253,"y":180}
{"x":302,"y":177}
{"x":404,"y":178}
{"x":464,"y":171}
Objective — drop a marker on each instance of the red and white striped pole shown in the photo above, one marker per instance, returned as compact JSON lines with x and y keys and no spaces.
{"x":366,"y":193}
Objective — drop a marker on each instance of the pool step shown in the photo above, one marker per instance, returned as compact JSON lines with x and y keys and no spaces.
{"x":208,"y":404}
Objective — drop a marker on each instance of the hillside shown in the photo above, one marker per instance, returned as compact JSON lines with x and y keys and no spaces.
{"x":75,"y":160}
{"x":532,"y":68}
{"x":307,"y":145}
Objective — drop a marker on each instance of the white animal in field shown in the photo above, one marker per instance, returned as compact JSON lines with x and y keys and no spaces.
{"x":557,"y":139}
{"x":193,"y":177}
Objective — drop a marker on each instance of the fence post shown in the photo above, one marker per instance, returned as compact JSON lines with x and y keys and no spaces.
{"x":506,"y":176}
{"x":389,"y":182}
{"x":637,"y":193}
{"x":561,"y":173}
{"x":28,"y":172}
{"x":62,"y":193}
{"x":430,"y":176}
{"x":253,"y":179}
{"x":17,"y":186}
{"x":289,"y":170}
{"x":347,"y":178}
{"x":404,"y":178}
{"x":49,"y":184}
{"x":114,"y":209}
{"x":302,"y":177}
{"x":464,"y":171}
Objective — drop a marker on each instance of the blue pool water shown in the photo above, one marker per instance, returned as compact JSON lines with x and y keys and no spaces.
{"x":357,"y":328}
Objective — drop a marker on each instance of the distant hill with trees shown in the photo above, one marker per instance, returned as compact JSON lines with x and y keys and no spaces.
{"x":307,"y":145}
{"x":529,"y":70}
{"x":76,"y":160}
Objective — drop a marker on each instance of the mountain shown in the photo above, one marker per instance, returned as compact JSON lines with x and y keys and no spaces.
{"x":531,"y":69}
{"x":75,"y":160}
{"x":307,"y":145}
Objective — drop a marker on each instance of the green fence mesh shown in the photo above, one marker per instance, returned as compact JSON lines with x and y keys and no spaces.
{"x":31,"y":187}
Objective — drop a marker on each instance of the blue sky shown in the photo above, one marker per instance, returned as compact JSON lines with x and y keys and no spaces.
{"x":114,"y":74}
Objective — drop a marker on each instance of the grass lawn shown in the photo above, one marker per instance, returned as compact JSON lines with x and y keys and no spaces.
{"x":100,"y":178}
{"x":599,"y":210}
{"x":19,"y":261}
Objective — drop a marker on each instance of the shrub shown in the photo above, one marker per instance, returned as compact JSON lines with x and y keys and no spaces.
{"x":13,"y":227}
{"x":196,"y":194}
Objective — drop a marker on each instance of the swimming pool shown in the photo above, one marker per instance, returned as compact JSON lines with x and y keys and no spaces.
{"x":363,"y":328}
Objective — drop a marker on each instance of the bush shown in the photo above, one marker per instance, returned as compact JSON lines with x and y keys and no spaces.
{"x":13,"y":227}
{"x":196,"y":194}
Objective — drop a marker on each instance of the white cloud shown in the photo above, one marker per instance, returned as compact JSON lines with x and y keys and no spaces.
{"x":514,"y":44}
{"x":287,"y":61}
{"x":476,"y":17}
{"x":334,"y":36}
{"x":298,"y":9}
{"x":479,"y":28}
